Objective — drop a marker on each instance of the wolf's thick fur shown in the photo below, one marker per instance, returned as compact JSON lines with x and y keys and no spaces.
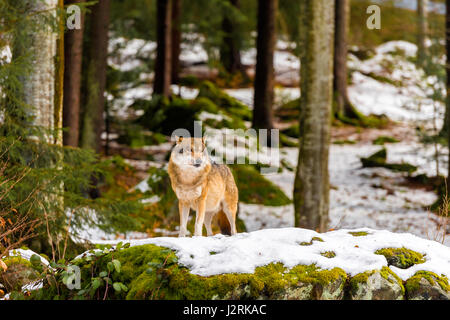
{"x":206,"y":187}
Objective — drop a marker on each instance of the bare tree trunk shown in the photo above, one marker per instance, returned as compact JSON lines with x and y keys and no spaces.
{"x":311,"y":187}
{"x":93,"y":123}
{"x":447,"y":70}
{"x":39,"y":86}
{"x":161,"y":85}
{"x":176,"y":40}
{"x":264,"y":73}
{"x":72,"y":79}
{"x":422,"y":31}
{"x":230,"y":55}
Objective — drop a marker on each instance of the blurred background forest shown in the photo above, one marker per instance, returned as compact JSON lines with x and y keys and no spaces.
{"x":87,"y":114}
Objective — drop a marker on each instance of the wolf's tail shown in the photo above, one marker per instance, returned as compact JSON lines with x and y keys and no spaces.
{"x":224,"y":224}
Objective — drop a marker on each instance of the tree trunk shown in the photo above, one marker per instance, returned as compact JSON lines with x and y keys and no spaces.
{"x":176,"y":40}
{"x":161,"y":85}
{"x":264,"y":73}
{"x":343,"y":106}
{"x":72,"y":79}
{"x":447,"y":70}
{"x":311,"y":186}
{"x":230,"y":55}
{"x":422,"y":31}
{"x":39,"y":86}
{"x":93,"y":122}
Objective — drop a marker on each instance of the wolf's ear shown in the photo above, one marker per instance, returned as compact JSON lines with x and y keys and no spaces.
{"x":178,"y":139}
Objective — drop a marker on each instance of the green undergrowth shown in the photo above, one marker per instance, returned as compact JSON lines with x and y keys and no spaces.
{"x":378,"y":159}
{"x":254,"y":188}
{"x":384,"y":139}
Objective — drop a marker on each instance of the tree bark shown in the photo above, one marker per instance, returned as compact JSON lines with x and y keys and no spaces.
{"x":72,"y":79}
{"x":161,"y":85}
{"x":39,"y":85}
{"x":93,"y":122}
{"x":342,"y":17}
{"x":230,"y":55}
{"x":422,"y":31}
{"x":447,"y":70}
{"x":311,"y":186}
{"x":176,"y":40}
{"x":264,"y":73}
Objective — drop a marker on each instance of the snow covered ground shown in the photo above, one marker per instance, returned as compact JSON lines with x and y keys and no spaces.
{"x":244,"y":252}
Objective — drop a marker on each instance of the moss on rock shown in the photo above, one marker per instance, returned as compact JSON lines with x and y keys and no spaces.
{"x":426,"y":285}
{"x":402,"y":258}
{"x":377,"y":285}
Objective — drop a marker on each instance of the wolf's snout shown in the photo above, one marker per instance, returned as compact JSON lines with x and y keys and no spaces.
{"x":198,"y":162}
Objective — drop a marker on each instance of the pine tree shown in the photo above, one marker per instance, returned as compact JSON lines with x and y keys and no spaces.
{"x":73,"y":44}
{"x":264,"y":73}
{"x":422,"y":28}
{"x":176,"y":40}
{"x":163,"y":64}
{"x":311,"y":186}
{"x":230,"y":55}
{"x":343,"y":108}
{"x":93,"y":121}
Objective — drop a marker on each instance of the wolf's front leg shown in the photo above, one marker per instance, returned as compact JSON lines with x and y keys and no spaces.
{"x":184,"y":215}
{"x":200,"y":217}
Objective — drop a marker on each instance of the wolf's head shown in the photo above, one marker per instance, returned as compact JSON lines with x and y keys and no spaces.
{"x":190,"y":152}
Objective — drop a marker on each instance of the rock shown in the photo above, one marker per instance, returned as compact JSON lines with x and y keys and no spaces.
{"x":426,"y":285}
{"x":377,"y":285}
{"x":19,"y":273}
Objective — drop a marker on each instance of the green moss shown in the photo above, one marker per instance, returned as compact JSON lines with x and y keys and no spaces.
{"x":378,"y":159}
{"x":311,"y":242}
{"x":384,"y":139}
{"x":255,"y":188}
{"x":413,"y":283}
{"x":344,"y":142}
{"x":401,"y":257}
{"x":358,"y":233}
{"x":328,"y":254}
{"x":225,"y":102}
{"x":152,"y":272}
{"x":14,"y":260}
{"x":385,"y":272}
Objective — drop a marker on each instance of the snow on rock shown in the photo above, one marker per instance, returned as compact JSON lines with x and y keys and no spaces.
{"x":244,"y":252}
{"x":27,"y":254}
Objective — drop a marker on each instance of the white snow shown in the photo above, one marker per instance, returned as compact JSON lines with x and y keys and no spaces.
{"x":246,"y":251}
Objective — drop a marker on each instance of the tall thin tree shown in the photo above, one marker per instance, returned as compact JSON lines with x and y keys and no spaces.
{"x":73,"y":44}
{"x":264,"y":73}
{"x":230,"y":54}
{"x":343,"y":106}
{"x":447,"y":70}
{"x":311,"y":186}
{"x":176,"y":40}
{"x":422,"y":31}
{"x":163,"y":63}
{"x":93,"y":122}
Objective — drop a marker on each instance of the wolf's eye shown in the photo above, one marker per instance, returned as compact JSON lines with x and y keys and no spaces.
{"x":181,"y":150}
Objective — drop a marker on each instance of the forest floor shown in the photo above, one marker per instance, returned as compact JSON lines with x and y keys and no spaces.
{"x":386,"y":83}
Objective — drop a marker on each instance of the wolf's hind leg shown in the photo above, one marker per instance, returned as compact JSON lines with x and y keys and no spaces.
{"x":230,"y":211}
{"x":208,"y":219}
